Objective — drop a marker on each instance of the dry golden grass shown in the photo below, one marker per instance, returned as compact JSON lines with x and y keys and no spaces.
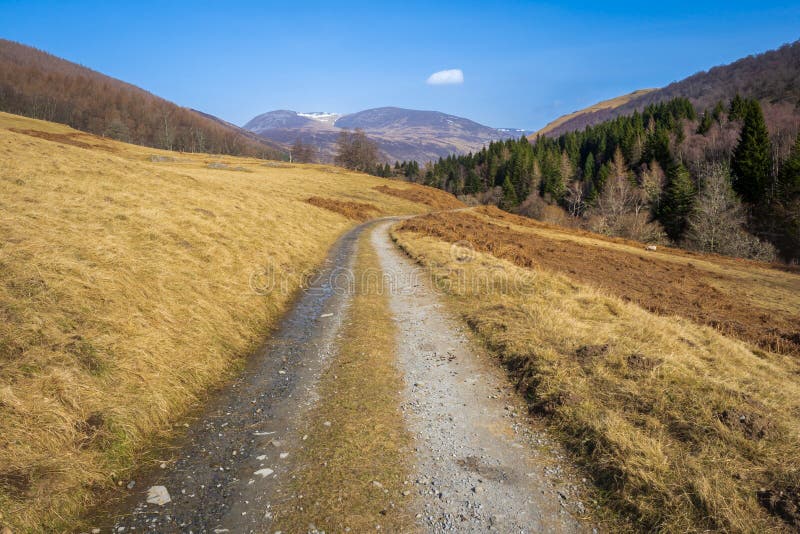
{"x":124,"y":295}
{"x":681,"y":427}
{"x":352,"y":473}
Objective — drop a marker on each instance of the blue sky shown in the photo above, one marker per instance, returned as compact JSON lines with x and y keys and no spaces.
{"x":523,"y":63}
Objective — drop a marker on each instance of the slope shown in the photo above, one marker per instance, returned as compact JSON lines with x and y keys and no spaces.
{"x":131,"y":281}
{"x":584,"y":117}
{"x":771,"y":77}
{"x":39,"y":85}
{"x":687,"y":421}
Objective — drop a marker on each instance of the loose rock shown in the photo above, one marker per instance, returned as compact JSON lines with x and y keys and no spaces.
{"x":158,"y":495}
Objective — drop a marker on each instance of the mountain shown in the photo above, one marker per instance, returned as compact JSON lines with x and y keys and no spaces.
{"x":36,"y":84}
{"x":772,"y":77}
{"x":401,"y":134}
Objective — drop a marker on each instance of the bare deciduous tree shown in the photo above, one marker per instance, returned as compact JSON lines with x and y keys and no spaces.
{"x":717,"y":221}
{"x":576,"y":198}
{"x":619,"y":196}
{"x":652,"y":180}
{"x":356,"y":151}
{"x":302,"y":152}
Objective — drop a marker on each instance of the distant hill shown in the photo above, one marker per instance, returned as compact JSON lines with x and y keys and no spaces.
{"x":402,"y":134}
{"x":42,"y":86}
{"x":772,"y":77}
{"x":578,"y":119}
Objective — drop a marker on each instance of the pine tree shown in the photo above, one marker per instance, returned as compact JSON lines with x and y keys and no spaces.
{"x":719,"y":109}
{"x":552,"y":185}
{"x":677,"y":202}
{"x":588,"y":168}
{"x":705,"y":123}
{"x":737,"y":108}
{"x":752,"y":157}
{"x":472,"y":184}
{"x":509,"y":200}
{"x":789,"y":178}
{"x":785,"y":210}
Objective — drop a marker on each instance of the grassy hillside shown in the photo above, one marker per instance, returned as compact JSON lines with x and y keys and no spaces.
{"x":42,"y":86}
{"x":130,"y":282}
{"x":655,"y":368}
{"x":583,"y":116}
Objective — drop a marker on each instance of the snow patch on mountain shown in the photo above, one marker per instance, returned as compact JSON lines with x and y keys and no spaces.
{"x":321,"y":116}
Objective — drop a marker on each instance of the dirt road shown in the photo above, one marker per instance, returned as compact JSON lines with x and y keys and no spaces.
{"x":228,"y":468}
{"x":478,"y":465}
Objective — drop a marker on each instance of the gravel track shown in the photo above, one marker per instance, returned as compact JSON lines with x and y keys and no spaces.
{"x":479,"y":466}
{"x":247,"y":426}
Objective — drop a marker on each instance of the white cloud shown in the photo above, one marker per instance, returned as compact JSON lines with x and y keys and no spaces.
{"x":446,"y":77}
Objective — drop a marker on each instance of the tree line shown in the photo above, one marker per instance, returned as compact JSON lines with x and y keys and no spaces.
{"x":665,"y":174}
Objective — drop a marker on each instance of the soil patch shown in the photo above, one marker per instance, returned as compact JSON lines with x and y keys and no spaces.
{"x":357,"y":211}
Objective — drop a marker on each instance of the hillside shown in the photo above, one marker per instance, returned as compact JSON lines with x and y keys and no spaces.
{"x":132,"y":281}
{"x":726,"y":180}
{"x":659,"y":370}
{"x":42,"y":86}
{"x":772,"y":77}
{"x":401,"y":134}
{"x":581,"y":118}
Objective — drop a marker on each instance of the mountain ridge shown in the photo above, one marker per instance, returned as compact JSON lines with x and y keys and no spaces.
{"x":402,"y":134}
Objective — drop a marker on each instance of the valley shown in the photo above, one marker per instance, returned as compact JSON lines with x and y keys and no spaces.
{"x":246,"y":434}
{"x":399,"y":319}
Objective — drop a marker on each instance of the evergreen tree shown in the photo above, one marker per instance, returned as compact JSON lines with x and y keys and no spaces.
{"x":600,"y":181}
{"x":705,"y":123}
{"x":553,"y":184}
{"x":752,"y":157}
{"x":473,"y":184}
{"x":789,"y":178}
{"x":657,"y":148}
{"x":737,"y":108}
{"x":782,"y":216}
{"x":719,"y":109}
{"x":588,"y":168}
{"x":509,"y":201}
{"x":676,"y":204}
